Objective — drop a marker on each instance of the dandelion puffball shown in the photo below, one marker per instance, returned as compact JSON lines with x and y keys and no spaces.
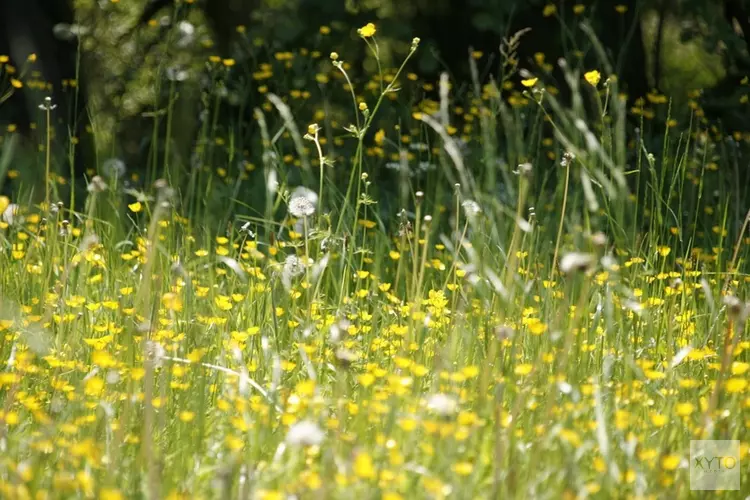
{"x":304,"y":433}
{"x":301,"y":206}
{"x":442,"y":404}
{"x":576,"y":262}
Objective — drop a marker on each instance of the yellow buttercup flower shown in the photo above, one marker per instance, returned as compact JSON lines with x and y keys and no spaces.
{"x":593,"y":77}
{"x":367,"y":30}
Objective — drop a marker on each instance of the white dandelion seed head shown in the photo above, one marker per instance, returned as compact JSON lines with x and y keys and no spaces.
{"x":338,"y":330}
{"x":88,"y":242}
{"x":609,"y":263}
{"x":525,"y":168}
{"x":113,"y":168}
{"x":301,"y":206}
{"x":186,"y":33}
{"x":97,"y":185}
{"x":293,"y":266}
{"x":576,"y":262}
{"x":311,"y":195}
{"x":69,"y":32}
{"x":113,"y":377}
{"x":633,"y":305}
{"x":736,"y":309}
{"x":442,"y":404}
{"x":176,"y":74}
{"x":599,"y":239}
{"x":471,"y":208}
{"x":155,"y":352}
{"x":47,"y":104}
{"x":567,"y":158}
{"x":524,"y":225}
{"x":305,"y":433}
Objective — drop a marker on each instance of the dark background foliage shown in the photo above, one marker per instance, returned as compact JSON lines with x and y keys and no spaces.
{"x":110,"y":66}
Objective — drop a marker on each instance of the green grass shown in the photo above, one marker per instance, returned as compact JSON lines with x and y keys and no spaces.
{"x":564,"y":335}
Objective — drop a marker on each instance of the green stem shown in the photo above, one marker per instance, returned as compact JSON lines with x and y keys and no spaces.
{"x":562,"y":221}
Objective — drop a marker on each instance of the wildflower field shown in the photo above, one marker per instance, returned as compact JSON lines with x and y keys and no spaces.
{"x":458,"y":290}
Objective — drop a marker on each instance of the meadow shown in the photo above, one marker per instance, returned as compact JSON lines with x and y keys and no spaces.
{"x":492,"y":293}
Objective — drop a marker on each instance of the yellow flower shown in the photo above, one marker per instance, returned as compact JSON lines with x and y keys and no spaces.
{"x":368,"y":30}
{"x":658,"y":420}
{"x":571,"y":437}
{"x":110,"y":494}
{"x":195,"y":355}
{"x":579,"y":9}
{"x":94,"y":386}
{"x":593,"y":77}
{"x":549,"y":10}
{"x":186,"y":416}
{"x":670,"y":462}
{"x":664,"y":251}
{"x":235,"y":443}
{"x":12,"y":418}
{"x":738,"y":367}
{"x":529,"y":82}
{"x":135,"y":207}
{"x":223,"y":303}
{"x":313,"y":481}
{"x":684,"y":409}
{"x":172,"y":301}
{"x":621,"y":9}
{"x":736,"y":385}
{"x":366,"y":379}
{"x":364,"y":467}
{"x":463,"y":468}
{"x":380,"y":137}
{"x":523,"y":369}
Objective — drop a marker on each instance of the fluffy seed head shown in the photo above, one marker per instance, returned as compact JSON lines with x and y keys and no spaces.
{"x":442,"y":404}
{"x":574,"y":262}
{"x":300,"y":206}
{"x":304,"y":433}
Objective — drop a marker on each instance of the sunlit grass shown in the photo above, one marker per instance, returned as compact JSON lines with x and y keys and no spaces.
{"x":496,"y":332}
